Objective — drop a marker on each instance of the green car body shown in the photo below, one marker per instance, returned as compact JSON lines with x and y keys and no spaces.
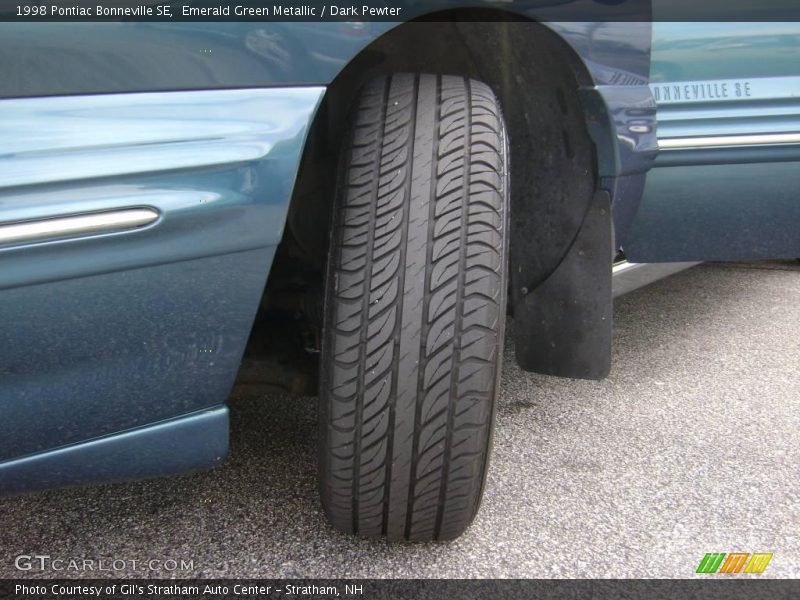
{"x":726,"y":180}
{"x":119,"y":345}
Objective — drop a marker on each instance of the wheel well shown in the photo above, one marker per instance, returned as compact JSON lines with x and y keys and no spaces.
{"x":536,"y":76}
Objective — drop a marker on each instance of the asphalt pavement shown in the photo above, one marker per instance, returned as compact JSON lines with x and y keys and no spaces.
{"x":691,"y":446}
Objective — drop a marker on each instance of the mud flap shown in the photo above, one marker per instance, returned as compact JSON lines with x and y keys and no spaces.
{"x":563,"y":326}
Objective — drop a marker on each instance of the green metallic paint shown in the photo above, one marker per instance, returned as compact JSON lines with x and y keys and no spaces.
{"x":729,"y":201}
{"x":710,"y":51}
{"x":718,"y":212}
{"x":197,"y":440}
{"x":111,"y":332}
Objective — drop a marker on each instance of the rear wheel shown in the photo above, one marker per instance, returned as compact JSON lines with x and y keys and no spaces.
{"x":415,"y":309}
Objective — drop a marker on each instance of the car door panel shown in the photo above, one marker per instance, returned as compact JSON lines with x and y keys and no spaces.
{"x":726,"y":184}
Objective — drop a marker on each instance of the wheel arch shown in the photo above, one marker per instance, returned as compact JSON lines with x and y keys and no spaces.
{"x":562,"y":138}
{"x":471,"y":42}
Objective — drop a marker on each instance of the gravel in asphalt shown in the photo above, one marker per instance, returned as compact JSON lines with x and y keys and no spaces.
{"x":692,"y":445}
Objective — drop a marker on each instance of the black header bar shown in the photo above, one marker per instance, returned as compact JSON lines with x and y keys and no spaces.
{"x":398,"y":10}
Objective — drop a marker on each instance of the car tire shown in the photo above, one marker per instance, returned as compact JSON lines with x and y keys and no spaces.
{"x":415,"y":308}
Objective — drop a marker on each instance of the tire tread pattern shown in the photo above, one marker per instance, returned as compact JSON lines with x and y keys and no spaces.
{"x":415,"y":309}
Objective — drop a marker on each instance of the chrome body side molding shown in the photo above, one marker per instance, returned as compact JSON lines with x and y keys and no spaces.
{"x":627,"y":276}
{"x":728,"y":141}
{"x":45,"y":230}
